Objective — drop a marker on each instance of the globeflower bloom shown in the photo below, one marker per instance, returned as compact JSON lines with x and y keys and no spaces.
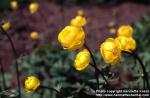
{"x":82,"y":60}
{"x":78,"y":21}
{"x":127,"y":43}
{"x":71,"y":37}
{"x":31,"y":83}
{"x":125,"y":30}
{"x":111,"y":51}
{"x":34,"y":35}
{"x":6,"y":26}
{"x":33,"y":7}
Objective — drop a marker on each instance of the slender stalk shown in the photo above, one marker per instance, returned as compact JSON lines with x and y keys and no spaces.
{"x":97,"y":71}
{"x":3,"y":75}
{"x":15,"y":55}
{"x":94,"y":65}
{"x":50,"y":88}
{"x":145,"y":78}
{"x":143,"y":68}
{"x":102,"y":74}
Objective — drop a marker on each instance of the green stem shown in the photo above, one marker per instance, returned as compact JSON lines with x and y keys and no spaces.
{"x":143,"y":68}
{"x":97,"y":71}
{"x":142,"y":65}
{"x":15,"y":55}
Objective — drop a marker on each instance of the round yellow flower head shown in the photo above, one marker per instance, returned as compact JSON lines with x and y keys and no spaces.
{"x":14,"y":5}
{"x":78,"y":21}
{"x":34,"y":35}
{"x":125,"y":30}
{"x":6,"y":26}
{"x":127,"y":43}
{"x":33,"y":7}
{"x":31,"y":83}
{"x":71,"y":37}
{"x":80,"y":12}
{"x":82,"y":60}
{"x":111,"y":51}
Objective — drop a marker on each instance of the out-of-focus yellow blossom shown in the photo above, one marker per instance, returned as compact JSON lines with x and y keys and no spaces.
{"x":127,"y":43}
{"x":34,"y":35}
{"x":31,"y":83}
{"x":112,"y":30}
{"x":78,"y":21}
{"x":125,"y":30}
{"x":80,"y":12}
{"x":82,"y":60}
{"x":6,"y":26}
{"x":71,"y":37}
{"x":111,"y":24}
{"x":14,"y":5}
{"x":111,"y":51}
{"x":33,"y":7}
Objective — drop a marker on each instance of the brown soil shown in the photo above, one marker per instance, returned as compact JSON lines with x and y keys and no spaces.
{"x":48,"y":21}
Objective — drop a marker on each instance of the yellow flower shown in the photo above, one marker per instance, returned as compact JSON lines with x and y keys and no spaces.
{"x":80,"y":12}
{"x":125,"y":30}
{"x":71,"y":37}
{"x":111,"y":51}
{"x":127,"y":43}
{"x":6,"y":26}
{"x":33,"y":7}
{"x":14,"y":5}
{"x":34,"y":35}
{"x":31,"y":83}
{"x":82,"y":60}
{"x":78,"y":21}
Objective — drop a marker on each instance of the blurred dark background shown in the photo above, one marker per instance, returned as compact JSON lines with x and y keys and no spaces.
{"x":5,"y":4}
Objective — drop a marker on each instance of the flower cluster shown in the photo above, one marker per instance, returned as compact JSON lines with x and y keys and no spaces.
{"x":125,"y":38}
{"x":111,"y":48}
{"x":72,"y":38}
